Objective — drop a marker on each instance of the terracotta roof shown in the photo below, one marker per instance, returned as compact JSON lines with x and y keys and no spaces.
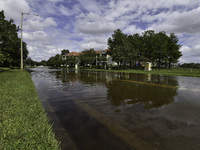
{"x":99,"y":51}
{"x":74,"y":53}
{"x":78,"y":53}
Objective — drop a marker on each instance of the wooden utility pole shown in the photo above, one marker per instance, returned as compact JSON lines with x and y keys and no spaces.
{"x":22,"y":37}
{"x":21,"y":43}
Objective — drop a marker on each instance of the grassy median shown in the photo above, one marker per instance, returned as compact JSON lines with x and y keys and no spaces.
{"x":23,"y":122}
{"x":189,"y":72}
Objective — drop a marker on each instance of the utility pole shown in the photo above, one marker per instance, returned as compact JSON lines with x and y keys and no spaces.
{"x":21,"y":43}
{"x":22,"y":37}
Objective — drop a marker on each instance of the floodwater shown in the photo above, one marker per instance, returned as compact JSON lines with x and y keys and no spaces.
{"x":122,"y":111}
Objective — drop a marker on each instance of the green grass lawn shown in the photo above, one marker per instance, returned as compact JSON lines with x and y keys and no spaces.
{"x":23,"y":122}
{"x":3,"y":69}
{"x":191,"y":72}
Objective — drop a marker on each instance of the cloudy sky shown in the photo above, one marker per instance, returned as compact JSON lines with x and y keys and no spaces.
{"x":83,"y":24}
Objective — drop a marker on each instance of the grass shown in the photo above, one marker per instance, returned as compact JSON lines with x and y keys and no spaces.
{"x":3,"y":69}
{"x":23,"y":122}
{"x":190,"y":72}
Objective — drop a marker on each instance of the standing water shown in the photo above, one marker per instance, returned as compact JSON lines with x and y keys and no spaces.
{"x":122,"y":111}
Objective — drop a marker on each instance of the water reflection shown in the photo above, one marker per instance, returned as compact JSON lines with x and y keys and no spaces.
{"x":130,"y":93}
{"x":127,"y":93}
{"x":161,"y":110}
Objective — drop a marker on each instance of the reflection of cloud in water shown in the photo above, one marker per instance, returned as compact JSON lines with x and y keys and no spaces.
{"x":189,"y":95}
{"x":189,"y":83}
{"x":182,"y":112}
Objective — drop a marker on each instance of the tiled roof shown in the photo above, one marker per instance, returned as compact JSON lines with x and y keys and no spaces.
{"x":100,"y":51}
{"x":74,"y":53}
{"x":78,"y":53}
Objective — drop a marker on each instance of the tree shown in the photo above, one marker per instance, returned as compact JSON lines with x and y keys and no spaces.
{"x":43,"y":63}
{"x":71,"y":61}
{"x":151,"y":46}
{"x":64,"y":52}
{"x":120,"y":47}
{"x":136,"y":47}
{"x":55,"y":61}
{"x":2,"y":57}
{"x":173,"y":49}
{"x":87,"y":56}
{"x":29,"y":62}
{"x":10,"y":43}
{"x":148,"y":46}
{"x":160,"y":48}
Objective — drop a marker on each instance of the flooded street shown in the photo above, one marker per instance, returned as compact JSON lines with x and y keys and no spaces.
{"x":121,"y":111}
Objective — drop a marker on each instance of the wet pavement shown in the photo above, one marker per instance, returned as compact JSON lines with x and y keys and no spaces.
{"x":104,"y":110}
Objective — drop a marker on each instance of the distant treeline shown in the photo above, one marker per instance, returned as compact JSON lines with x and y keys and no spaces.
{"x":190,"y":65}
{"x":30,"y":62}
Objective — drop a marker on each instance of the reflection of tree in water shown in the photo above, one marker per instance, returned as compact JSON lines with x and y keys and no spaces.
{"x":86,"y":77}
{"x":120,"y":92}
{"x":66,"y":75}
{"x":157,"y":79}
{"x":91,"y":78}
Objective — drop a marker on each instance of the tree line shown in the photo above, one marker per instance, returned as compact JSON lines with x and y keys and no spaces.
{"x":160,"y":49}
{"x":10,"y":44}
{"x":157,"y":48}
{"x":190,"y":65}
{"x":87,"y":56}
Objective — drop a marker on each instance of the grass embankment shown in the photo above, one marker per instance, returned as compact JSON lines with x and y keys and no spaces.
{"x":23,"y":122}
{"x":190,"y":72}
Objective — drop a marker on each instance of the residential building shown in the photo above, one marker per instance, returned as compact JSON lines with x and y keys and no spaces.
{"x":103,"y":59}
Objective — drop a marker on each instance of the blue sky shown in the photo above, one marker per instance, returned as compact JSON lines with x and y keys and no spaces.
{"x":83,"y":24}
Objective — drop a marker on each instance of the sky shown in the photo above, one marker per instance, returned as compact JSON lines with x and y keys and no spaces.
{"x":77,"y":25}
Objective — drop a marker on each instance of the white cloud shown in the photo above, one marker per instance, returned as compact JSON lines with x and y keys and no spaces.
{"x":84,"y":24}
{"x":184,"y":22}
{"x":55,"y":1}
{"x":39,"y":51}
{"x":96,"y":42}
{"x":37,"y":24}
{"x":132,"y":29}
{"x":96,"y":27}
{"x":90,"y":5}
{"x":49,"y":22}
{"x":195,"y":52}
{"x":64,"y":10}
{"x":95,"y":24}
{"x":119,"y":9}
{"x":95,"y":45}
{"x":35,"y":36}
{"x":13,"y":8}
{"x":190,"y":54}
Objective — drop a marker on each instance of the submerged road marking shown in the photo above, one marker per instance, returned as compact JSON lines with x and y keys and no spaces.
{"x":152,"y":84}
{"x":161,"y":85}
{"x":129,"y":137}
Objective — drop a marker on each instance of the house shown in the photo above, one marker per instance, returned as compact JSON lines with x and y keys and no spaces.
{"x":76,"y":54}
{"x":73,"y":60}
{"x":103,"y":59}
